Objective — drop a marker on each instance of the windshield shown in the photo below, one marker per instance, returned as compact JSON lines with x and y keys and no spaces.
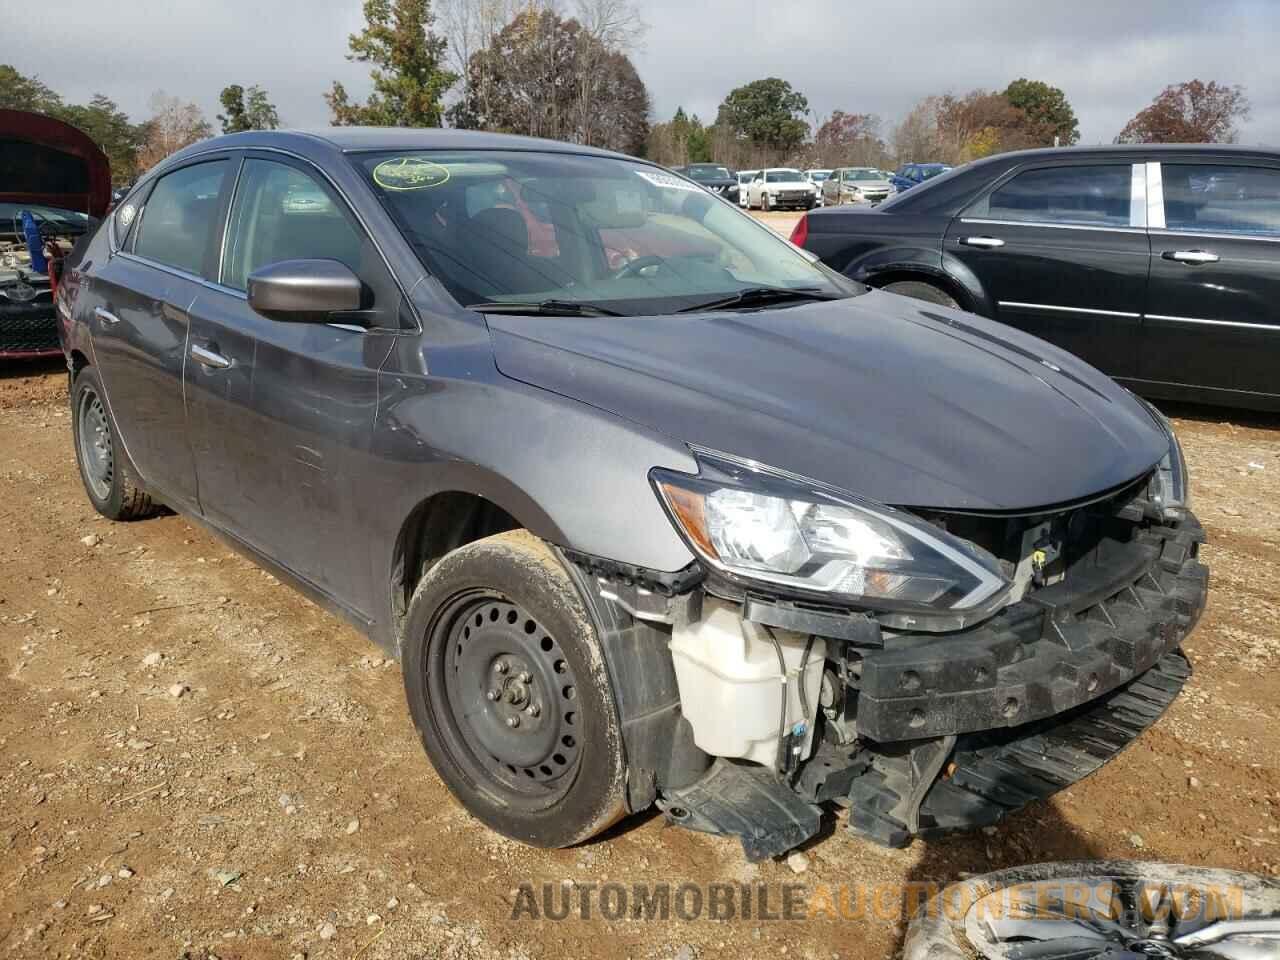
{"x":863,"y":173}
{"x":527,"y":227}
{"x":746,"y":176}
{"x":68,"y":221}
{"x":781,"y":176}
{"x":817,"y":176}
{"x":708,"y":173}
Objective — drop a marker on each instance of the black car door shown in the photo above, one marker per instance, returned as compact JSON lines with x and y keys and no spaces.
{"x":142,"y":296}
{"x":1213,"y":304}
{"x":281,"y":414}
{"x":1062,"y":250}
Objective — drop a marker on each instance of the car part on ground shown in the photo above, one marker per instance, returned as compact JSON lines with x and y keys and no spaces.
{"x":629,"y":549}
{"x":1099,"y":910}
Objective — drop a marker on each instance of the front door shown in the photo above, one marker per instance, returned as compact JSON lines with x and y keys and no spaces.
{"x":1062,"y":250}
{"x":1213,"y":306}
{"x":145,"y":291}
{"x":281,"y":415}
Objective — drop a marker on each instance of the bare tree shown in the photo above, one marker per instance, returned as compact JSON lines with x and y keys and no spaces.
{"x":174,"y":124}
{"x":917,"y":136}
{"x":609,"y":28}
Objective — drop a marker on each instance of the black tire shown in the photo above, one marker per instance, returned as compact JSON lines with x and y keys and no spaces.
{"x":1119,"y":905}
{"x":469,"y":620}
{"x":109,"y":479}
{"x":920,"y":290}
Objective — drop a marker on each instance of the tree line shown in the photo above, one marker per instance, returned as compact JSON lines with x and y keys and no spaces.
{"x":538,"y":68}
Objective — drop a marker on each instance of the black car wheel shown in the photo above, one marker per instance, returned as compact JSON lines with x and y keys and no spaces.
{"x":508,"y":689}
{"x":1100,"y":910}
{"x":109,"y":480}
{"x":919,"y":290}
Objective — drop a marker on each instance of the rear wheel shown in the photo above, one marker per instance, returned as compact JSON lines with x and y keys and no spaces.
{"x":508,"y":689}
{"x":920,"y":290}
{"x":1117,"y":910}
{"x":109,"y":480}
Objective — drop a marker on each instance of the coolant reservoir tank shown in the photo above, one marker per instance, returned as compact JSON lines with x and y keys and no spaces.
{"x":731,"y":685}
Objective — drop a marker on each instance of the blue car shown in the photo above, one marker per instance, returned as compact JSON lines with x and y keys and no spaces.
{"x":910,"y":174}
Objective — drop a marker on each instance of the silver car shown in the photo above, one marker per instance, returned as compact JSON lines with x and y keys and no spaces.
{"x":856,"y":185}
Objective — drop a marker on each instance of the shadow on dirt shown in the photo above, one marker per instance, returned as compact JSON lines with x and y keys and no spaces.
{"x":1202,"y":413}
{"x":35,"y":367}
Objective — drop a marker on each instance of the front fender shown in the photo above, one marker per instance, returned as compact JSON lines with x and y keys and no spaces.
{"x":900,"y":262}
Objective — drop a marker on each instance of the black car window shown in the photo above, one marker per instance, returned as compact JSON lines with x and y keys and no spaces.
{"x":1088,"y":195}
{"x":1220,"y":198}
{"x":177,"y":225}
{"x":283,"y":213}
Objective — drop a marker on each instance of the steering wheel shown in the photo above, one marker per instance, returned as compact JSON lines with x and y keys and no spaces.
{"x":636,"y":265}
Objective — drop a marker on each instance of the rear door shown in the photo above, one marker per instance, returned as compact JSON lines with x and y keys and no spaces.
{"x":281,"y":414}
{"x":143,"y":294}
{"x":1062,"y":249}
{"x":1213,"y":305}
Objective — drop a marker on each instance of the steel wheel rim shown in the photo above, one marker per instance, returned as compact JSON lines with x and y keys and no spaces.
{"x":1117,"y":918}
{"x":506,"y":699}
{"x":97,"y":458}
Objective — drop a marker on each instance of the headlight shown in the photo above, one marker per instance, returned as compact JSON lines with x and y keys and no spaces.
{"x":756,"y":524}
{"x":1170,"y":486}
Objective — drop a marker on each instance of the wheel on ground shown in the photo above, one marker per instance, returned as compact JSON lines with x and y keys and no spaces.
{"x":507,"y":685}
{"x":109,"y":480}
{"x":1117,"y":910}
{"x":919,"y":290}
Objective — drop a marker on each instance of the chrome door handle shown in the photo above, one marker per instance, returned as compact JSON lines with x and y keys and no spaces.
{"x":209,"y":358}
{"x":1191,"y":256}
{"x":986,"y":243}
{"x":106,"y":316}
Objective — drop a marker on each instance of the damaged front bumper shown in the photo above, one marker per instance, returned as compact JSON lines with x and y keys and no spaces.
{"x":921,"y":733}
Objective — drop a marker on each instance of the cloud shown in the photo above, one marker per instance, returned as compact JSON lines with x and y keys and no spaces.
{"x":1110,"y":56}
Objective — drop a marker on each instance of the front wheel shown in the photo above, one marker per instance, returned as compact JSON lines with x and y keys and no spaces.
{"x":113,"y":488}
{"x":508,"y":688}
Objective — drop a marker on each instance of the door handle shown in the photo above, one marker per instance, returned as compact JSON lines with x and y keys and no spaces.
{"x":1191,"y":256}
{"x":210,"y":358}
{"x":986,"y":243}
{"x":106,"y":316}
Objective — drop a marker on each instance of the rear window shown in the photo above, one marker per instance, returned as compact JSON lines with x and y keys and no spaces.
{"x":1220,"y":198}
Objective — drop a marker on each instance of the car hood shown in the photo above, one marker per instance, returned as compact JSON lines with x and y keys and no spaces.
{"x":787,"y":184}
{"x":46,"y":162}
{"x":886,"y":397}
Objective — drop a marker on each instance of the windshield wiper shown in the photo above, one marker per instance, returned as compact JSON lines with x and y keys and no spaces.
{"x":551,"y":308}
{"x":759,"y":296}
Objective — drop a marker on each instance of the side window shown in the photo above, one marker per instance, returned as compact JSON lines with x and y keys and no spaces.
{"x":1087,"y":195}
{"x":282,"y":213}
{"x":177,"y":225}
{"x":1217,"y":198}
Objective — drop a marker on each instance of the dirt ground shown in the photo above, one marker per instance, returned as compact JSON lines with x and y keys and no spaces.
{"x":197,"y":762}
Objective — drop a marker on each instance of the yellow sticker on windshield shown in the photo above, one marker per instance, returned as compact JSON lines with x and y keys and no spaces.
{"x":409,"y":173}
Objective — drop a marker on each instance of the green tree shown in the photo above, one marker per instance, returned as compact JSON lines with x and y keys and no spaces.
{"x":254,"y":113}
{"x":1047,"y":108}
{"x":409,"y":79}
{"x":766,"y":111}
{"x":19,"y":92}
{"x":1191,"y":112}
{"x":108,"y":125}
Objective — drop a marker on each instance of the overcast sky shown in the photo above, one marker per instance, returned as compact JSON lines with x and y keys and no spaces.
{"x":1110,"y":57}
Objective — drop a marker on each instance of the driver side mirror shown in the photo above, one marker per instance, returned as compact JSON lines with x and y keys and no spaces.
{"x":305,"y":291}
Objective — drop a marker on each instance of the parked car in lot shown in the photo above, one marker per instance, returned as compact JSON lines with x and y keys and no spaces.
{"x":856,"y":185}
{"x":714,"y":178}
{"x":912,"y":174}
{"x":817,"y":178}
{"x":653,"y":509}
{"x":55,"y":179}
{"x":1156,"y":264}
{"x":744,"y":184}
{"x":781,"y":188}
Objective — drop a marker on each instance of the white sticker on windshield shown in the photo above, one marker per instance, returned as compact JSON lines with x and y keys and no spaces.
{"x":667,"y":181}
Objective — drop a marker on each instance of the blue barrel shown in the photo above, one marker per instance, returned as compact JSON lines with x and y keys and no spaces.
{"x":34,"y":244}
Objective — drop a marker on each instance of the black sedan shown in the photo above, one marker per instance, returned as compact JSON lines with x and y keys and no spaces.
{"x":713,"y":177}
{"x":1157,"y":264}
{"x":653,"y":508}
